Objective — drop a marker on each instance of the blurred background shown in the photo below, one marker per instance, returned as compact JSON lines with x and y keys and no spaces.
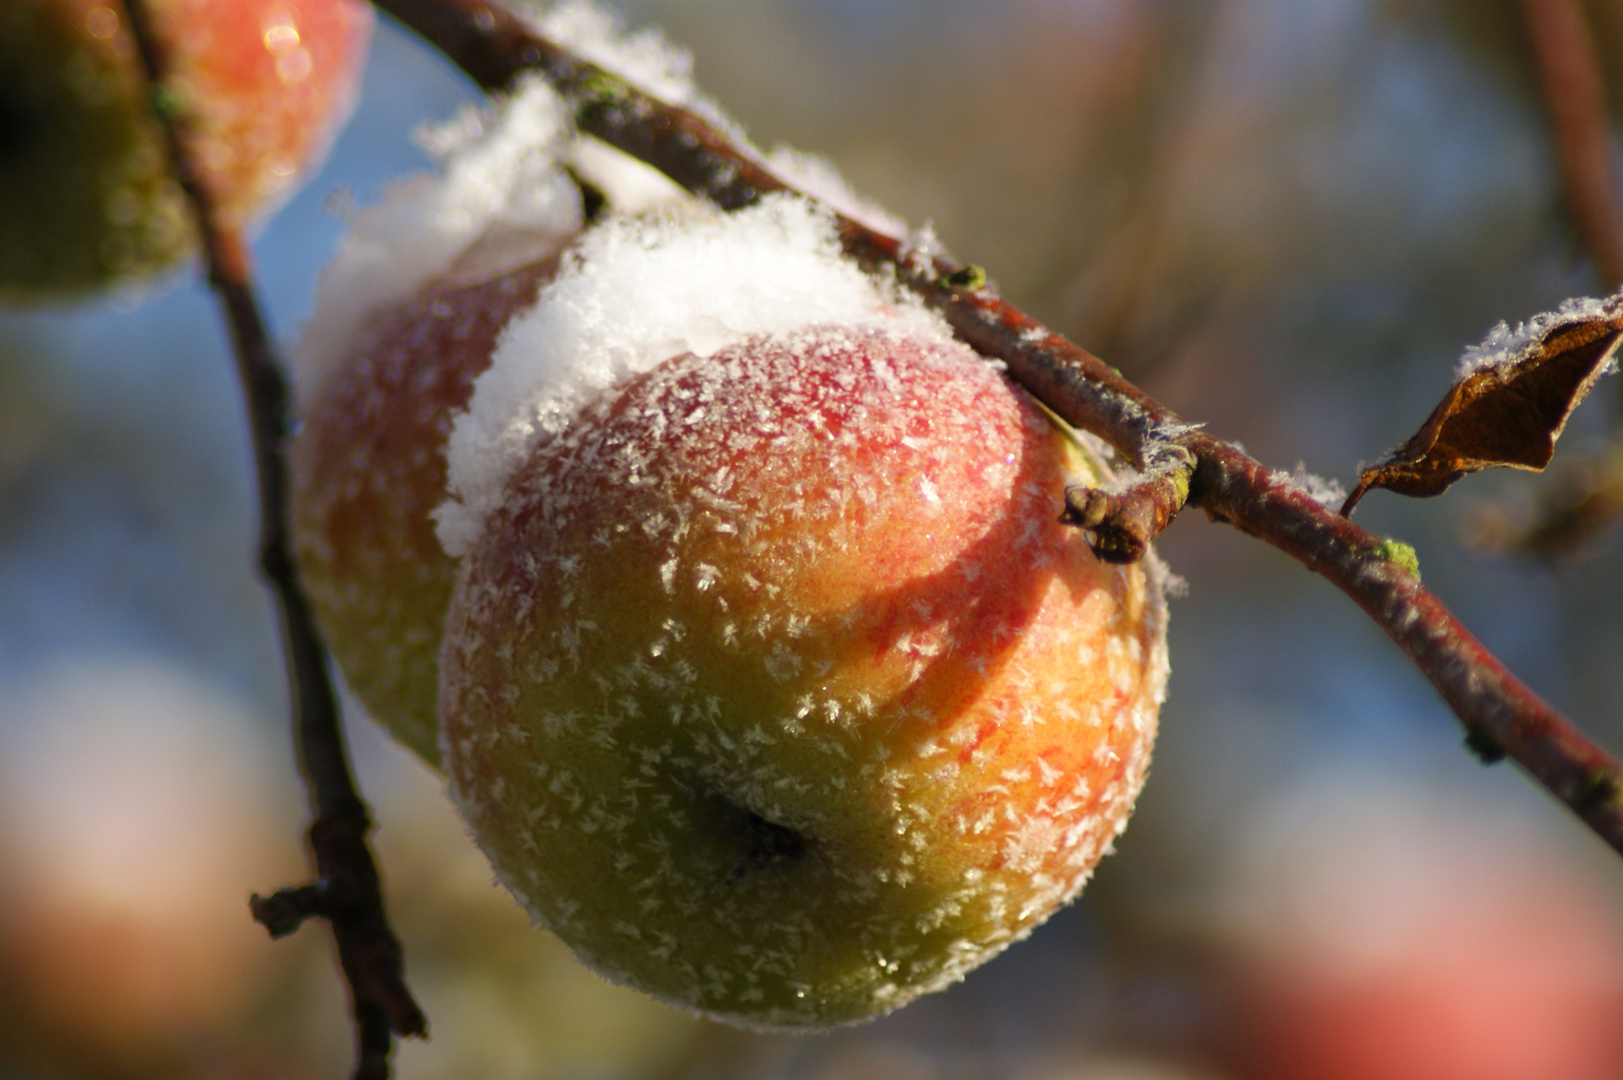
{"x":1285,"y":218}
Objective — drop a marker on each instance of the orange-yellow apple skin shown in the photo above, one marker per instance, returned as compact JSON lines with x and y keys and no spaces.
{"x":366,"y":470}
{"x":776,"y":689}
{"x":89,"y":195}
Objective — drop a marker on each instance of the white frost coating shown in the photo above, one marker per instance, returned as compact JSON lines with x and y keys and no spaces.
{"x":642,"y":57}
{"x":501,"y":176}
{"x":637,"y":292}
{"x":1504,"y":346}
{"x":922,"y":245}
{"x":1325,"y":492}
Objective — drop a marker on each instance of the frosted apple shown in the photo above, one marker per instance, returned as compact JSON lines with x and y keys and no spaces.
{"x":772,"y":684}
{"x":408,"y":316}
{"x":89,"y":199}
{"x":367,"y":468}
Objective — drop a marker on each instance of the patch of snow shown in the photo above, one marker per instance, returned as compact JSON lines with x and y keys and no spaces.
{"x":1505,"y":346}
{"x":639,"y":290}
{"x":501,"y":174}
{"x":1325,"y":492}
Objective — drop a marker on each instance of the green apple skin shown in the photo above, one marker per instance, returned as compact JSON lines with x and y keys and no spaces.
{"x":366,"y":471}
{"x":776,"y":689}
{"x":87,"y":196}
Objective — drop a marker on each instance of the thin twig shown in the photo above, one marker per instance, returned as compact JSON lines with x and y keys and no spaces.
{"x":1569,"y":74}
{"x":347,"y":891}
{"x":1180,"y":462}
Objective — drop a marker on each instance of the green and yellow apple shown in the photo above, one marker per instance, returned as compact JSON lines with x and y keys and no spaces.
{"x":775,"y":688}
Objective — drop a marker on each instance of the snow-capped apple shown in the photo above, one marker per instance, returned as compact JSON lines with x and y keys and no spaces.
{"x":367,"y":471}
{"x":771,"y":682}
{"x":408,"y":315}
{"x":90,"y":200}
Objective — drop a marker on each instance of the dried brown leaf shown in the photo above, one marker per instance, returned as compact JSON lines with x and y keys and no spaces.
{"x":1509,"y":403}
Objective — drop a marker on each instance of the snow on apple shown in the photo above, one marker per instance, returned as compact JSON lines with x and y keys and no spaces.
{"x":409,"y":313}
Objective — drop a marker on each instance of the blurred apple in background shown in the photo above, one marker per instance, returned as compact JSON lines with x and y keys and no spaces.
{"x":87,"y":199}
{"x":1384,"y":932}
{"x":134,"y":813}
{"x":139,"y":805}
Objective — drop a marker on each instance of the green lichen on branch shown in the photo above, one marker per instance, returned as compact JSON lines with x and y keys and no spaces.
{"x":1399,"y":554}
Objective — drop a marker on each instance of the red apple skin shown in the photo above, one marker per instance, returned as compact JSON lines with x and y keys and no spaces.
{"x":89,"y":200}
{"x":776,"y":689}
{"x":366,"y":470}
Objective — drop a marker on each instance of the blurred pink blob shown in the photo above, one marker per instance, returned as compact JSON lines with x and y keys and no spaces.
{"x":134,"y":815}
{"x":1380,"y":933}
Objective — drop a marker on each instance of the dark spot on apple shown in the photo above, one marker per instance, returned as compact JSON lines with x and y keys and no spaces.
{"x":17,"y":126}
{"x":766,"y":844}
{"x":738,"y":834}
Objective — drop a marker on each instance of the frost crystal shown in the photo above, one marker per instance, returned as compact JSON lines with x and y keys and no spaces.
{"x":818,"y":178}
{"x":1325,"y":492}
{"x":642,"y":57}
{"x":1504,"y":346}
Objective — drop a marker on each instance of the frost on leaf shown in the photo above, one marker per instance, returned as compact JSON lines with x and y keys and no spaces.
{"x":1509,"y":403}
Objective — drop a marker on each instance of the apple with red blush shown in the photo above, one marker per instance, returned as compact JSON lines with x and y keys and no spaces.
{"x":775,"y":687}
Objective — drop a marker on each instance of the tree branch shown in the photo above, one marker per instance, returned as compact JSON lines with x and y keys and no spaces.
{"x":347,"y":891}
{"x":1570,"y":77}
{"x":1179,"y":462}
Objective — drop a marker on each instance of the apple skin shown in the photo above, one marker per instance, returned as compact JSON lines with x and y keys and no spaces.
{"x":366,"y":470}
{"x":776,"y":689}
{"x":89,"y":197}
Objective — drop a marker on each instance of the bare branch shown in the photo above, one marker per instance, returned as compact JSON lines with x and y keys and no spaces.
{"x":347,"y":892}
{"x":1569,"y":74}
{"x":1500,"y":714}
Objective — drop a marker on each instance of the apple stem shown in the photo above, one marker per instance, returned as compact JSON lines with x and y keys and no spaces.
{"x":1121,"y":524}
{"x":347,"y":892}
{"x":1180,"y":462}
